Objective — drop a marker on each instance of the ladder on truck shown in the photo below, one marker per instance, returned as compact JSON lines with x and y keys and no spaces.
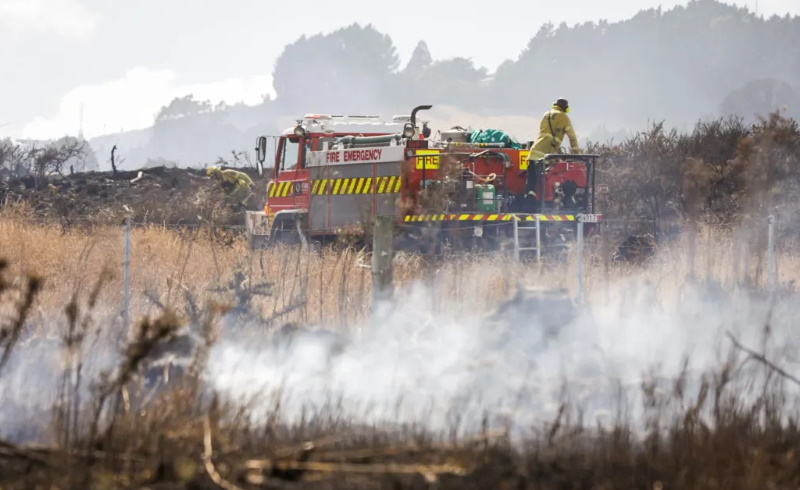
{"x":518,"y":248}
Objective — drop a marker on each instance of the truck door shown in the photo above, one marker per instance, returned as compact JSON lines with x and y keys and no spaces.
{"x":290,"y":189}
{"x":302,"y":187}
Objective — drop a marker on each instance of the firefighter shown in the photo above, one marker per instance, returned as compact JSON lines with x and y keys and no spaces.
{"x":235,"y":184}
{"x":555,"y":124}
{"x":426,"y":131}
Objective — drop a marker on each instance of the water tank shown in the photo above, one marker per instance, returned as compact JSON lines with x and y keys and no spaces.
{"x":456,"y":135}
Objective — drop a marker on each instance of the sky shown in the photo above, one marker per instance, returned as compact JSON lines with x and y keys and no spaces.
{"x":122,"y":60}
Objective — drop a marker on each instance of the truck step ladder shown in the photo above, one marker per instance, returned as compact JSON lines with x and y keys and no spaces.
{"x":538,"y":247}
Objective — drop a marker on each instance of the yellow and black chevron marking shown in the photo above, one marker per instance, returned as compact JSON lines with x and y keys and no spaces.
{"x":460,"y":217}
{"x":551,"y":217}
{"x":358,"y":185}
{"x":281,"y":189}
{"x":340,"y":187}
{"x":489,"y":217}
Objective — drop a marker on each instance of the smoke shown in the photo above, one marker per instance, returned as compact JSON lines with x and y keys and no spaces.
{"x":28,"y":389}
{"x":39,"y":367}
{"x":444,"y":362}
{"x":419,"y":364}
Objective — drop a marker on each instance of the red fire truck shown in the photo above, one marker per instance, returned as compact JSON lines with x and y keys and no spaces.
{"x":334,"y":174}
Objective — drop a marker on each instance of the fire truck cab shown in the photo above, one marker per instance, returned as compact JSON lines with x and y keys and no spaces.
{"x":319,"y":164}
{"x":332,"y":174}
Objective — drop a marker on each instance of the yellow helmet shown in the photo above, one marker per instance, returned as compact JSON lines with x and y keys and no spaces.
{"x":212,"y":170}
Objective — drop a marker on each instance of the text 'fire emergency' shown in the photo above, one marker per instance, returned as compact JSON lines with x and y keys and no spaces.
{"x":353,"y":156}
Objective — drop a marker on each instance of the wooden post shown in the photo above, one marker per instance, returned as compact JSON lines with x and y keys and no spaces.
{"x":126,"y":272}
{"x":113,"y":162}
{"x":771,"y":254}
{"x":580,"y":259}
{"x":382,"y":254}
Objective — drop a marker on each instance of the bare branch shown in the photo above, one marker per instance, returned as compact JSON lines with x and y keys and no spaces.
{"x":51,"y":158}
{"x":763,"y":360}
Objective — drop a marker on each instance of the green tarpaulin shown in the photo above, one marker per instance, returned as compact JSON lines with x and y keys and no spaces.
{"x":493,"y":136}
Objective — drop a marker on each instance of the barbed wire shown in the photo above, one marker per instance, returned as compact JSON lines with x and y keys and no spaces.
{"x":105,"y":219}
{"x":504,"y":245}
{"x":113,"y":222}
{"x":463,"y":224}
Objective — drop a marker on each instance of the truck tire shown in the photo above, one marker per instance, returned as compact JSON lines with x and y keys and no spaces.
{"x":285,"y":230}
{"x":257,"y":242}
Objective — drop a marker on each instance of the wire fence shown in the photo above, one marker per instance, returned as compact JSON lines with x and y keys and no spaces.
{"x":767,"y":246}
{"x":761,"y":239}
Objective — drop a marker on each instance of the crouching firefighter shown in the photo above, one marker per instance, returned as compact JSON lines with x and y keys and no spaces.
{"x":554,"y":125}
{"x":236,"y":185}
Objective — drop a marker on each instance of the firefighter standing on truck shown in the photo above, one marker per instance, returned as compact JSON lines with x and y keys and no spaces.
{"x":555,"y":124}
{"x":235,"y":184}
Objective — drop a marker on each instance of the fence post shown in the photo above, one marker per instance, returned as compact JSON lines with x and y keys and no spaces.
{"x":538,"y":238}
{"x":126,"y":280}
{"x":736,"y":251}
{"x":692,"y":249}
{"x":580,"y":259}
{"x":382,"y":254}
{"x":771,"y":254}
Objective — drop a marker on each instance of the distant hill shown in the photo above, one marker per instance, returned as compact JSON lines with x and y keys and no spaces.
{"x":679,"y":65}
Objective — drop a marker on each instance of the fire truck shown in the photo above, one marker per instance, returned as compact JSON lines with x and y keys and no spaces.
{"x":333,"y":174}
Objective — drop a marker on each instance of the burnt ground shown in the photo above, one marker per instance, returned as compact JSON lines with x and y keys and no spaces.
{"x":161,"y":195}
{"x":167,"y":196}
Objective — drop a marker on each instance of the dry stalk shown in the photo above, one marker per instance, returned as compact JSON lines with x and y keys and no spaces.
{"x":378,"y":468}
{"x":208,"y":451}
{"x":10,"y":334}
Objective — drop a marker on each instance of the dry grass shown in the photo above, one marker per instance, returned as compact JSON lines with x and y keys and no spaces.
{"x":328,"y":287}
{"x":164,"y":264}
{"x":698,"y":432}
{"x":332,"y":288}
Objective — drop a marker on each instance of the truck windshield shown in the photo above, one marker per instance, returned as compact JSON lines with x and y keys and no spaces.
{"x":289,"y":154}
{"x":307,"y":153}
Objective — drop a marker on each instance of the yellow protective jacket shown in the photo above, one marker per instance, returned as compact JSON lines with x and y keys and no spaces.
{"x":238,"y":179}
{"x":236,"y":185}
{"x":555,"y":124}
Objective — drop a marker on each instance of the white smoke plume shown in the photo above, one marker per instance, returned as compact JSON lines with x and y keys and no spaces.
{"x":443,"y":363}
{"x":417,"y":366}
{"x":31,"y":382}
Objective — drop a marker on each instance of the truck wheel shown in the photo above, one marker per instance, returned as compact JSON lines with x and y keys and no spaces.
{"x":257,"y":242}
{"x":284,"y":230}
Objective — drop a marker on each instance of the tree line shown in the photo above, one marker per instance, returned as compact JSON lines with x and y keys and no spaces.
{"x":706,"y":59}
{"x":708,"y":68}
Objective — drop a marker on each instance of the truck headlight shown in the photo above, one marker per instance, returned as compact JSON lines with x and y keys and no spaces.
{"x":408,"y":130}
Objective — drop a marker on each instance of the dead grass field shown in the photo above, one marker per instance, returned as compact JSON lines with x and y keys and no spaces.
{"x":332,"y":288}
{"x":732,"y":428}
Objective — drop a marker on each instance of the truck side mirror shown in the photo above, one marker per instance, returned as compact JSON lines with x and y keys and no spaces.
{"x":261,"y":153}
{"x":261,"y":148}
